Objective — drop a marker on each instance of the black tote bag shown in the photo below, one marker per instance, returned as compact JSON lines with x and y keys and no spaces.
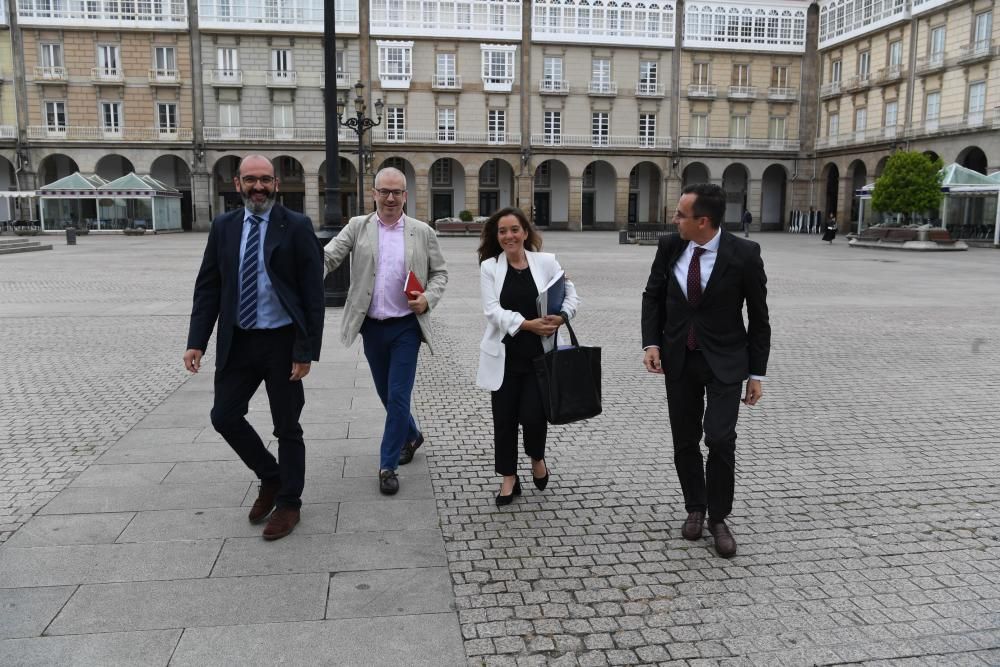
{"x":569,"y":380}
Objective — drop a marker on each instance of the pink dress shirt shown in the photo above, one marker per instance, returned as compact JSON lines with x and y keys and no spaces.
{"x":388,"y":299}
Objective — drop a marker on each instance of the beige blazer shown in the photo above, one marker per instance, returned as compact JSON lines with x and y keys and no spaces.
{"x":359,"y":239}
{"x":500,"y":322}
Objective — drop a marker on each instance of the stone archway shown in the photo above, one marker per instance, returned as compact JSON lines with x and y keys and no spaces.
{"x":880,"y":167}
{"x":694,"y":173}
{"x":973,"y":158}
{"x":735,"y":181}
{"x":173,"y":171}
{"x":858,"y":175}
{"x":551,"y":201}
{"x":8,"y":181}
{"x":773,"y":188}
{"x":348,"y":177}
{"x":291,"y":183}
{"x":55,"y":166}
{"x":113,"y":166}
{"x":496,"y":186}
{"x":831,"y":179}
{"x":227,"y":197}
{"x":644,"y":193}
{"x":597,"y":208}
{"x":446,"y":183}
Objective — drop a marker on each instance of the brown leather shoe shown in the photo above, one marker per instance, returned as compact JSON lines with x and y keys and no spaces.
{"x":693,"y":525}
{"x":725,"y":543}
{"x":281,"y":523}
{"x":267,"y":491}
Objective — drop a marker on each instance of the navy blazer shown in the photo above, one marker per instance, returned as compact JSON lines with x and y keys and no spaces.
{"x":733,"y":351}
{"x":294,"y":262}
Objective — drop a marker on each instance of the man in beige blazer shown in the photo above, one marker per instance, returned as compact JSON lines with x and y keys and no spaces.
{"x":384,"y":247}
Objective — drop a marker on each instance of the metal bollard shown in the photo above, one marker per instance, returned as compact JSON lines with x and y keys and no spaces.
{"x":71,"y":236}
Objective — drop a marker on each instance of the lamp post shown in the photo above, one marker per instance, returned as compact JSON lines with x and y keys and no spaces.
{"x":337,"y":282}
{"x":360,"y":124}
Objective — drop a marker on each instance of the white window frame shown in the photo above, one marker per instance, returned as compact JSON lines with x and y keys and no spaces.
{"x":496,"y":126}
{"x":395,"y":64}
{"x":701,"y":74}
{"x":600,"y":128}
{"x":836,"y":71}
{"x":937,"y":40}
{"x":890,"y":115}
{"x":864,"y":65}
{"x":109,"y":60}
{"x":395,"y":124}
{"x":446,"y":70}
{"x":441,"y":174}
{"x":50,"y":53}
{"x":895,"y":55}
{"x":833,"y":125}
{"x":498,"y":66}
{"x":779,"y":76}
{"x":860,"y":123}
{"x":165,"y":61}
{"x":446,"y":124}
{"x":982,"y":31}
{"x":600,"y":75}
{"x":55,"y":116}
{"x":552,"y":73}
{"x":167,"y":118}
{"x":114,"y":127}
{"x":741,"y":74}
{"x":739,"y":129}
{"x":777,"y":128}
{"x":283,"y":120}
{"x":976,"y":102}
{"x":647,"y":130}
{"x":281,"y":60}
{"x":699,"y":126}
{"x":552,"y":128}
{"x":932,"y":110}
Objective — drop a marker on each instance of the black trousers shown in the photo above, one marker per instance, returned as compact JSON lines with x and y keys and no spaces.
{"x":706,"y":487}
{"x":517,"y":401}
{"x":263,"y":356}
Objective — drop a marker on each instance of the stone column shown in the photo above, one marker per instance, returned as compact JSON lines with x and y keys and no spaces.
{"x":525,"y":196}
{"x":755,"y":203}
{"x":420,"y":205}
{"x":574,"y":219}
{"x":311,"y":194}
{"x":202,"y":198}
{"x":621,"y":201}
{"x":471,"y":192}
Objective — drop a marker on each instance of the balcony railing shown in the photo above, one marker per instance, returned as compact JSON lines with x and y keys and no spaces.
{"x":345,"y":80}
{"x":742,"y":92}
{"x":498,"y":84}
{"x":50,"y":74}
{"x":871,"y":135}
{"x":738,"y":143}
{"x":281,"y":78}
{"x":649,"y":89}
{"x":104,"y":13}
{"x":446,"y":82}
{"x":227,"y":77}
{"x":299,"y":134}
{"x":590,"y":141}
{"x":979,"y":50}
{"x":381,"y":135}
{"x":782,"y":93}
{"x":8,"y":132}
{"x":78,"y":133}
{"x":107,"y":75}
{"x":830,"y":89}
{"x":930,"y":63}
{"x":553,"y":87}
{"x":394,"y":80}
{"x":602,"y":88}
{"x":482,"y":19}
{"x":974,"y":120}
{"x":857,"y":82}
{"x":702,"y":90}
{"x":164,"y":77}
{"x":888,"y":75}
{"x":266,"y":15}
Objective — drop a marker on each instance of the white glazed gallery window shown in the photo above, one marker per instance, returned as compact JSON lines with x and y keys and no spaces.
{"x":395,"y":124}
{"x":111,"y":118}
{"x":600,"y":128}
{"x":446,"y":125}
{"x":496,"y":126}
{"x":498,"y":67}
{"x":55,"y":116}
{"x":552,"y":128}
{"x":395,"y":61}
{"x":647,"y":130}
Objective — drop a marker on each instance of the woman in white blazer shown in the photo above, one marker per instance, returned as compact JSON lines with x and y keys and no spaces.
{"x":512,"y":273}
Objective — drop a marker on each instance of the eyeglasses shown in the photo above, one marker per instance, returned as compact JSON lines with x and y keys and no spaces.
{"x":254,"y":180}
{"x":382,"y":192}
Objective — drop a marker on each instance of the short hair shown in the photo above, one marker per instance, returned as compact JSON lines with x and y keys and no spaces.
{"x":389,"y":170}
{"x":489,"y":245}
{"x":710,"y":202}
{"x":252,"y":157}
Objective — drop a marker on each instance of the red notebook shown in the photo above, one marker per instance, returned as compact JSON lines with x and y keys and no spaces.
{"x":412,"y":285}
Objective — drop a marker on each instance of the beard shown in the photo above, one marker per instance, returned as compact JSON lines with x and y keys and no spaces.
{"x":258,"y":207}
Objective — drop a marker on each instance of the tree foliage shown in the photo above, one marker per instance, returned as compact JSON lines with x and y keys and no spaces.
{"x":910,"y":184}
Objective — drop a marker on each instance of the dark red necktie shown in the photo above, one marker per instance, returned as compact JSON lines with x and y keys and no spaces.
{"x":694,"y":290}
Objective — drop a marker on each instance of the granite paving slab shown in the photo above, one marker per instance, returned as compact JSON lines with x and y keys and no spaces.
{"x":191,"y":524}
{"x":26,"y":612}
{"x":122,"y":649}
{"x":372,"y":593}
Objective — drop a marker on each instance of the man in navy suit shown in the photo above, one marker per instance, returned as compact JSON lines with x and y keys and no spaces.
{"x":262,"y":279}
{"x":693,"y":333}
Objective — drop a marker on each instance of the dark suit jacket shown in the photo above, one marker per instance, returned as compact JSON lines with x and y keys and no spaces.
{"x":732,"y":350}
{"x":293,"y":260}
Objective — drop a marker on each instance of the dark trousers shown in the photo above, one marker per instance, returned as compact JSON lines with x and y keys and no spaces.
{"x":709,"y":487}
{"x":391,"y":348}
{"x":517,"y":401}
{"x":263,"y":356}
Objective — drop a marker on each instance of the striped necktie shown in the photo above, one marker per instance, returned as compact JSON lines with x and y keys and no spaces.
{"x":248,"y":276}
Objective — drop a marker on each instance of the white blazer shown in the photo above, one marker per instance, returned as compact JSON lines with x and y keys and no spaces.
{"x":500,"y":322}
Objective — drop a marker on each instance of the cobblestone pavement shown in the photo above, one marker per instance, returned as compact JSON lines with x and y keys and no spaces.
{"x":87,"y":351}
{"x":867,"y":512}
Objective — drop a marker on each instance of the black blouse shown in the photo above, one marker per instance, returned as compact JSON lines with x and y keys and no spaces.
{"x":519,"y":294}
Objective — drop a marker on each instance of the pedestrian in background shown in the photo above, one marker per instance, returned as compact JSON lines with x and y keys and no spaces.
{"x":512,"y":273}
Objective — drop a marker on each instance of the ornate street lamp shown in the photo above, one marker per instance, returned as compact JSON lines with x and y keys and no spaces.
{"x":360,"y":124}
{"x":337,"y":282}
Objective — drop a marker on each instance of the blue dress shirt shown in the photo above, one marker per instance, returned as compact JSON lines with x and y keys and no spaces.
{"x":270,"y":313}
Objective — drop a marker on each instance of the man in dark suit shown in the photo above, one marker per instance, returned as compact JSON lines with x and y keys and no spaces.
{"x":693,"y":332}
{"x":262,"y":279}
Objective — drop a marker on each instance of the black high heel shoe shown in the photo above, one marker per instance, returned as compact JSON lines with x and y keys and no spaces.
{"x":541,"y":482}
{"x":507,"y":500}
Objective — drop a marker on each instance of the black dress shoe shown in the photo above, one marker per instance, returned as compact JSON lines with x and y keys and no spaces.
{"x":507,"y":500}
{"x":725,"y":543}
{"x":388,"y":483}
{"x":693,"y":525}
{"x":409,"y":449}
{"x":541,"y":482}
